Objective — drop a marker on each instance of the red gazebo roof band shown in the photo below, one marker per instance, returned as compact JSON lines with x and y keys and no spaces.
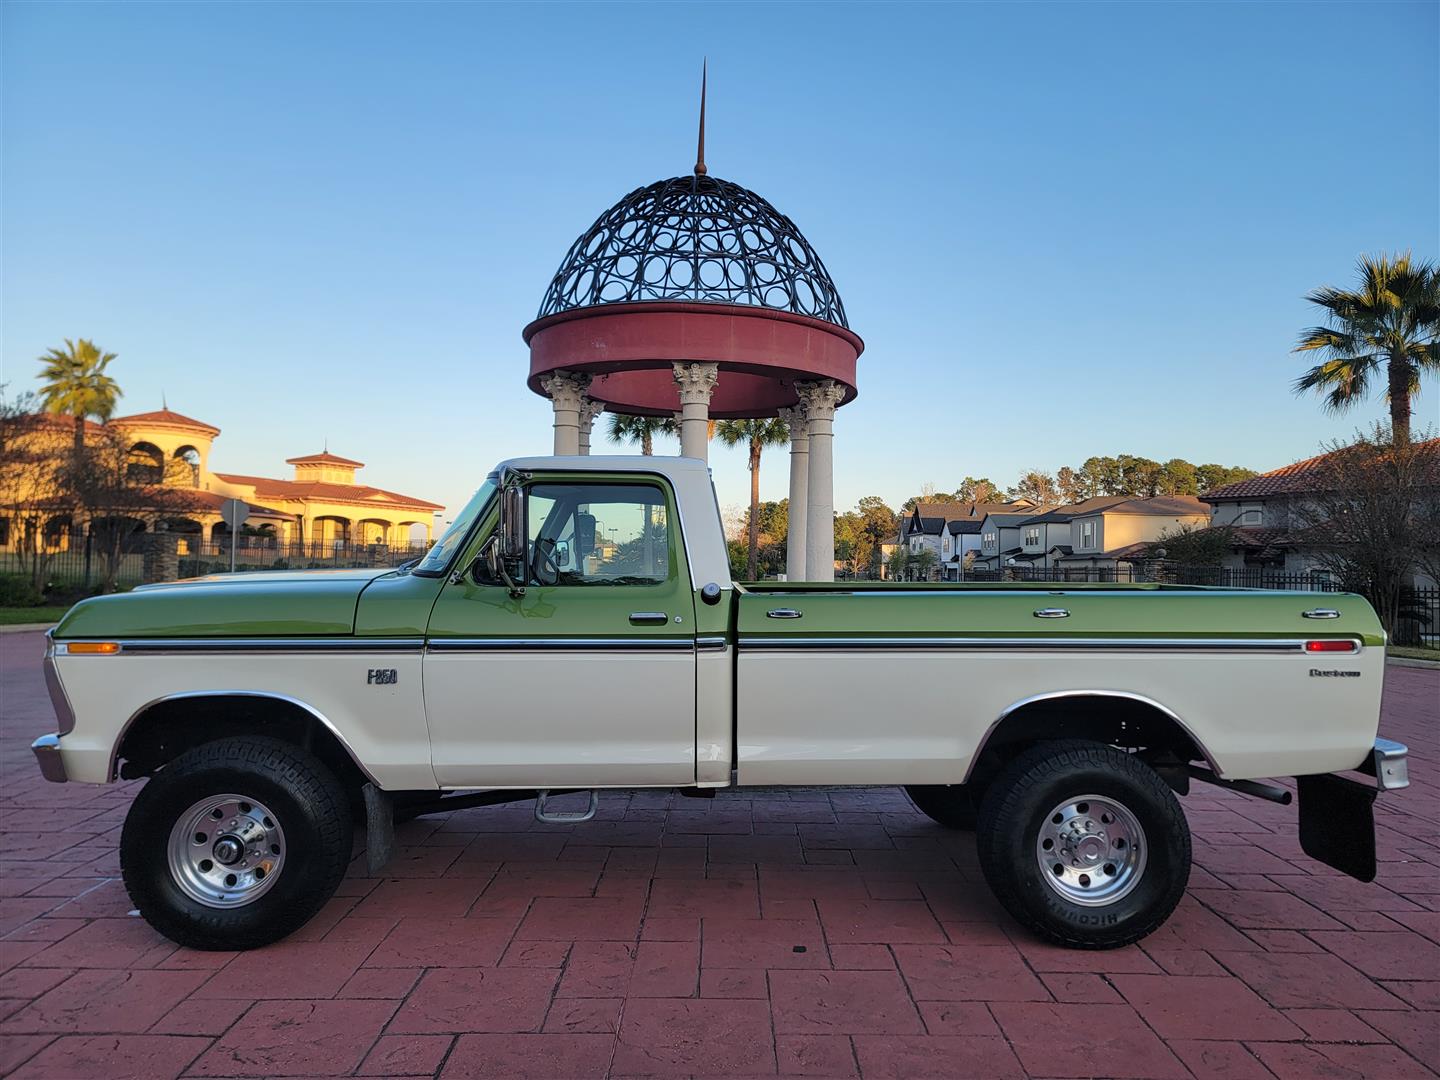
{"x":693,"y":268}
{"x":628,"y":350}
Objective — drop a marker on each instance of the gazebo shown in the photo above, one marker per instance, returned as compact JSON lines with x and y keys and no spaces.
{"x":694,"y":297}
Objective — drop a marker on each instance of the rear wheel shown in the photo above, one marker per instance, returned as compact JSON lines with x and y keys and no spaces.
{"x":1084,"y":844}
{"x":951,"y":805}
{"x":236,"y":843}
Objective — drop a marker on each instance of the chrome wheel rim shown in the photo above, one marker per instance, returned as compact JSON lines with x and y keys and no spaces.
{"x":226,"y":851}
{"x":1091,"y":850}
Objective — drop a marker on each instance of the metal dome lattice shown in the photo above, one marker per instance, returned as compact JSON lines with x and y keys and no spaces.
{"x":700,"y":239}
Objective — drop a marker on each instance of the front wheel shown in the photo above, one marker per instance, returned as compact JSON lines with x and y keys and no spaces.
{"x":236,"y":843}
{"x":1084,"y":844}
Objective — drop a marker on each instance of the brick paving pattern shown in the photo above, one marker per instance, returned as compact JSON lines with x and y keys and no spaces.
{"x":816,"y":933}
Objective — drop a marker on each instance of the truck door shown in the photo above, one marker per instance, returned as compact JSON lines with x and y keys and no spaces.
{"x":586,"y":680}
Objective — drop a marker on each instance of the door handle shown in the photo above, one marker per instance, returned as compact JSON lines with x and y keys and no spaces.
{"x":784,"y":613}
{"x":649,"y":618}
{"x":1052,"y":613}
{"x":1320,"y":613}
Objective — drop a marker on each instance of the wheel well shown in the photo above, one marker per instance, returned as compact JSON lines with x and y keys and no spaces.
{"x":1114,"y":719}
{"x":163,"y":731}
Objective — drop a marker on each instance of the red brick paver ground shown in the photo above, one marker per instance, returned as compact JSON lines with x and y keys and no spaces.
{"x":819,"y":933}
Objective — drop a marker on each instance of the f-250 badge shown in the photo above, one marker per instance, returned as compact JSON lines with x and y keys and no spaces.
{"x":382,"y":676}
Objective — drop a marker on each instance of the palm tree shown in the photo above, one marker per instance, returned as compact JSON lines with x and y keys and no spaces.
{"x":76,"y":384}
{"x":1393,"y":320}
{"x":758,"y":434}
{"x":641,"y":429}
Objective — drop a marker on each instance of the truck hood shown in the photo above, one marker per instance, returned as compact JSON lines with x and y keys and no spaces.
{"x":264,"y":604}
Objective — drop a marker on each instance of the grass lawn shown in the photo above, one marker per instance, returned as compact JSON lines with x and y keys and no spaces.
{"x":19,"y":616}
{"x":1413,"y":652}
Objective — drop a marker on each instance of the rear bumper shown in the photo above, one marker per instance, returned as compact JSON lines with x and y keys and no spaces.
{"x":1388,"y":764}
{"x":47,"y":756}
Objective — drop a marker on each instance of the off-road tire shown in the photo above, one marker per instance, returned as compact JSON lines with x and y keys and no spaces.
{"x":1008,"y":829}
{"x":950,"y":805}
{"x":305,"y":796}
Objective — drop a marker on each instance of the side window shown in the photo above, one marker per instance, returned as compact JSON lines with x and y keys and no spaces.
{"x":598,"y":535}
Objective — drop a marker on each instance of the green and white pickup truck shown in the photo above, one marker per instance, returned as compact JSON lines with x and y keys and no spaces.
{"x":576,"y":628}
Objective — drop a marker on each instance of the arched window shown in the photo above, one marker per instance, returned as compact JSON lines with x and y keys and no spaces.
{"x":145,"y":464}
{"x":191,"y":457}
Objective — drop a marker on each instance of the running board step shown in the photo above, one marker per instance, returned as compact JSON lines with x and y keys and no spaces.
{"x":550,"y":818}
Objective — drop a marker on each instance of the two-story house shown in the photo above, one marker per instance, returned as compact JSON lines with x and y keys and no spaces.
{"x":948,"y":530}
{"x":1001,"y":536}
{"x":1106,"y":532}
{"x":1260,"y":514}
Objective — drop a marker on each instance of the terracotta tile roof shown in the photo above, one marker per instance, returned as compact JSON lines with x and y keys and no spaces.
{"x":1301,"y":476}
{"x":325,"y":458}
{"x":166,"y":418}
{"x":357,"y":494}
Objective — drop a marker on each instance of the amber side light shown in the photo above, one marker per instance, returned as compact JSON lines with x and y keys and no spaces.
{"x":92,"y":648}
{"x":1330,"y":646}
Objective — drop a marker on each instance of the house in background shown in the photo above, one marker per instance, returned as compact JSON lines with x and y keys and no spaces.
{"x":1000,"y":536}
{"x":1103,"y":537}
{"x":1260,"y":515}
{"x":322,"y":508}
{"x":928,"y":527}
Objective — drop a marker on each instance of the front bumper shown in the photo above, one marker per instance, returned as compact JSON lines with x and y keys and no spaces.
{"x":47,"y":756}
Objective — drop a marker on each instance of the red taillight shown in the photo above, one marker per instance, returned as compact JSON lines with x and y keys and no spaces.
{"x":1331,"y":646}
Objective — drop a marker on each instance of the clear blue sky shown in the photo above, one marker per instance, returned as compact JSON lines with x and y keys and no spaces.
{"x":1062,"y":230}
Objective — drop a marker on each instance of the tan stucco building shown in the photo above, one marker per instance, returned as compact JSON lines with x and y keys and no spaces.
{"x":320,"y":509}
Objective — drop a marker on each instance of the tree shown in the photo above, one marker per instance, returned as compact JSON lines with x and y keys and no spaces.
{"x":757,"y":434}
{"x":1038,"y":486}
{"x":899,"y":564}
{"x":625,"y":428}
{"x":1212,"y":476}
{"x":1179,"y":477}
{"x":1192,"y":545}
{"x":29,"y":480}
{"x":1069,"y":485}
{"x":1392,"y":321}
{"x":1362,"y":521}
{"x":921,"y":563}
{"x":76,"y":384}
{"x":111,"y":499}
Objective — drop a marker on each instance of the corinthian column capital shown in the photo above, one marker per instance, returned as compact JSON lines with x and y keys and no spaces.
{"x":798,"y":422}
{"x":589,"y":410}
{"x":566,"y":389}
{"x":696,"y":382}
{"x":820,"y":398}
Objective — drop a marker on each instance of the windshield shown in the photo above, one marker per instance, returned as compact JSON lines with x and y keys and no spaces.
{"x":439,"y":557}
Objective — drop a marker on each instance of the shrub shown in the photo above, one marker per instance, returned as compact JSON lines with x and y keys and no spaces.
{"x":18,"y":590}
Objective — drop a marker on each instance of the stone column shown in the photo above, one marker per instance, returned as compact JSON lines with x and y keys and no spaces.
{"x":589,"y":410}
{"x":567,"y":394}
{"x":819,"y":399}
{"x":696,"y":382}
{"x":796,"y":420}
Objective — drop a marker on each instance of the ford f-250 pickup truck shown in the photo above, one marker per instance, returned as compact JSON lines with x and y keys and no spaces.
{"x":576,"y":628}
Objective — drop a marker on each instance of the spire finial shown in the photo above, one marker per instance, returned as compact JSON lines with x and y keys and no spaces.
{"x":700,"y":148}
{"x":163,"y":403}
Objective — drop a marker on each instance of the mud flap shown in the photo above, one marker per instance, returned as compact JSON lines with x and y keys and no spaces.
{"x":1337,"y":823}
{"x":379,"y":827}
